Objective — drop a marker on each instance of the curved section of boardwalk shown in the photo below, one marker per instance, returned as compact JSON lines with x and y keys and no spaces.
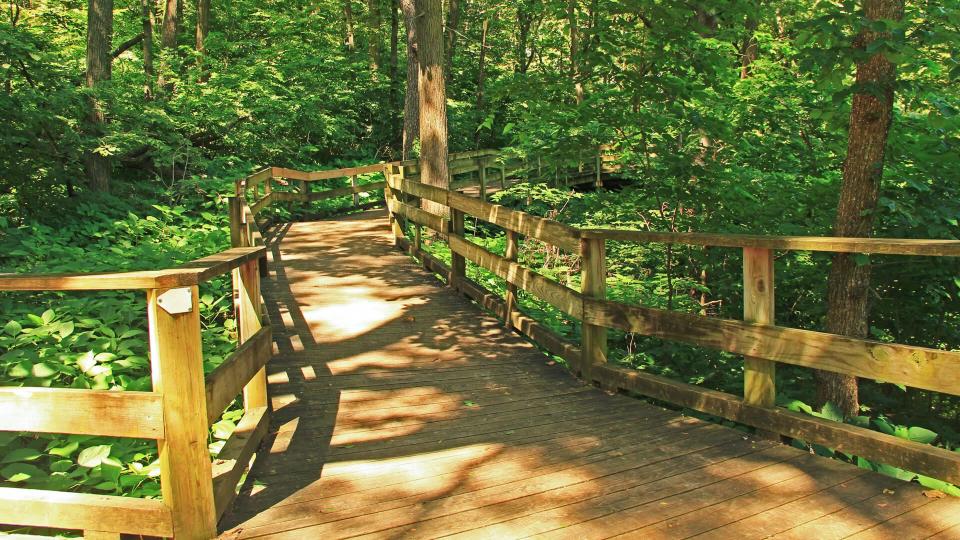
{"x":403,"y":411}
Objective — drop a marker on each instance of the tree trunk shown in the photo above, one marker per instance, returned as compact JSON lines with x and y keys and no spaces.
{"x":411,"y":104}
{"x":574,"y":69}
{"x":849,"y":282}
{"x":171,"y":24}
{"x":524,"y":22}
{"x":203,"y":28}
{"x":99,"y":44}
{"x":373,"y":41}
{"x":453,"y":22}
{"x":433,"y":100}
{"x":394,"y":62}
{"x":348,"y":39}
{"x":748,"y":53}
{"x":481,"y":73}
{"x":147,"y":16}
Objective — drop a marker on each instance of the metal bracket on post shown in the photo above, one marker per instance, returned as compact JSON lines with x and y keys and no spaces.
{"x":176,"y":301}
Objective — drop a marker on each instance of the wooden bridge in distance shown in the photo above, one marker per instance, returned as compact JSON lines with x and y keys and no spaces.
{"x":404,"y":400}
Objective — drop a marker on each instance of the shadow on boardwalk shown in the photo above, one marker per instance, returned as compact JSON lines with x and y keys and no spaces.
{"x":402,"y":411}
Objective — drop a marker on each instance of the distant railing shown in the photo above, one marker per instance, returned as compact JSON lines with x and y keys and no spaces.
{"x":762,"y":343}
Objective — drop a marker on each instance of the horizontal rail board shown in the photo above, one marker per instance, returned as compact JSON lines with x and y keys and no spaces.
{"x":929,"y":369}
{"x":103,"y":513}
{"x":259,"y":176}
{"x":419,"y":216}
{"x":264,"y":202}
{"x":909,"y":455}
{"x":549,"y":291}
{"x":191,"y":273}
{"x":342,"y":173}
{"x":233,"y":458}
{"x":546,"y":230}
{"x":228,"y":380}
{"x":417,"y":189}
{"x":290,"y":174}
{"x":349,"y":190}
{"x":884,"y":246}
{"x":73,"y":411}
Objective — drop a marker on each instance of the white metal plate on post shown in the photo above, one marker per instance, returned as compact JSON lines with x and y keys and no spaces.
{"x":176,"y":301}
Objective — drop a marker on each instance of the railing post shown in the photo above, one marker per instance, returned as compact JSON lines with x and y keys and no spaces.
{"x":304,"y":191}
{"x":482,"y":164}
{"x":503,"y":177}
{"x":593,"y":253}
{"x":235,"y":207}
{"x":598,"y":181}
{"x":177,"y":369}
{"x":393,"y":172}
{"x":250,"y":322}
{"x":356,"y":196}
{"x":759,"y":384}
{"x":458,"y":264}
{"x":513,"y":250}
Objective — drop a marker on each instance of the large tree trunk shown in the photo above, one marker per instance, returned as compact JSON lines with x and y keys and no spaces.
{"x":203,"y":23}
{"x":348,"y":38}
{"x":411,"y":104}
{"x":147,"y":20}
{"x":373,"y":41}
{"x":453,"y":22}
{"x":171,"y":24}
{"x":749,"y":50}
{"x":99,"y":44}
{"x":433,"y":100}
{"x":203,"y":28}
{"x":849,"y":282}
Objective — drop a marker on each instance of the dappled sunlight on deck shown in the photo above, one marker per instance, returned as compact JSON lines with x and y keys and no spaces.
{"x":402,"y":411}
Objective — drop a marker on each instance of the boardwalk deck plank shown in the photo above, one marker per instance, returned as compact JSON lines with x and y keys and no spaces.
{"x":403,"y":411}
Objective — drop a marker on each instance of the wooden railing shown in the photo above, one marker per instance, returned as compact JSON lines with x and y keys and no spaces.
{"x":178,"y":411}
{"x":756,"y":337}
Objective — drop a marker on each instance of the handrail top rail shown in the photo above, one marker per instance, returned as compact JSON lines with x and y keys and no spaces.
{"x":834,"y":244}
{"x":192,"y":273}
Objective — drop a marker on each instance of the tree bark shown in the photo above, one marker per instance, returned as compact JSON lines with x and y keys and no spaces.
{"x":433,"y":100}
{"x":148,"y":74}
{"x":481,"y":73}
{"x":411,"y":104}
{"x":99,"y":60}
{"x":373,"y":42}
{"x":748,"y":53}
{"x":203,"y":28}
{"x":574,"y":55}
{"x":394,"y":74}
{"x":849,"y":282}
{"x":348,"y":38}
{"x":453,"y":24}
{"x":171,"y":24}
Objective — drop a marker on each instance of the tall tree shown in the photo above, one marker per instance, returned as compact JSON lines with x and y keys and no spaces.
{"x":171,"y":24}
{"x":481,"y":72}
{"x":147,"y":21}
{"x":99,"y":59}
{"x":574,"y":53}
{"x":348,"y":38}
{"x":433,"y":99}
{"x":373,"y":40}
{"x":411,"y":104}
{"x":203,"y":23}
{"x":870,"y":118}
{"x":453,"y":27}
{"x":394,"y":65}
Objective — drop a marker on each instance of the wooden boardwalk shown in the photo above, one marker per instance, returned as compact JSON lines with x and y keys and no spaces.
{"x":402,"y":411}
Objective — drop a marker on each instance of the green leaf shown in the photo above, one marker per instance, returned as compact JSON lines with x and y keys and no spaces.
{"x":921,"y":435}
{"x":12,"y":328}
{"x":831,"y":412}
{"x":61,"y":465}
{"x":938,"y":485}
{"x":66,"y":450}
{"x":48,"y":316}
{"x":93,"y":456}
{"x":43,"y":370}
{"x":21,"y":472}
{"x":21,"y":454}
